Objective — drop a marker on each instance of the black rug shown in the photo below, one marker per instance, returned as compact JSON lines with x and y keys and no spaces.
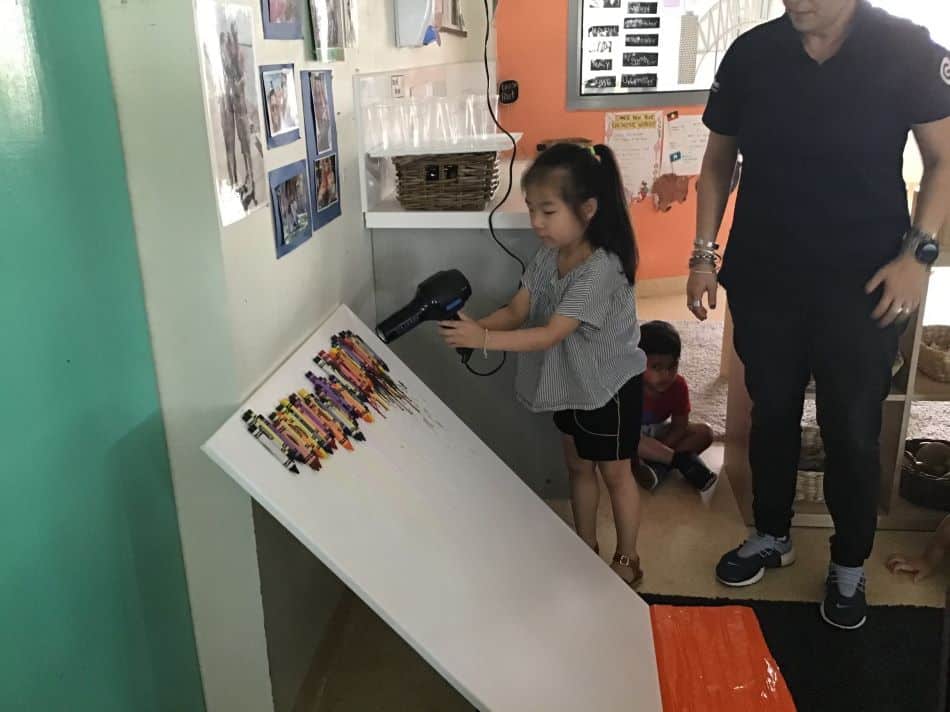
{"x":892,"y":664}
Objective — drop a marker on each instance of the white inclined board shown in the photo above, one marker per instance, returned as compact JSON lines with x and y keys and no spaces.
{"x":444,"y":542}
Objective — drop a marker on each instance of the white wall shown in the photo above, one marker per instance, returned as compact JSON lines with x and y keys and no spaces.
{"x":218,"y":327}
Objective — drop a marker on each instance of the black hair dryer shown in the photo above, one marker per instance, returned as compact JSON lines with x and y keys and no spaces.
{"x":438,"y":298}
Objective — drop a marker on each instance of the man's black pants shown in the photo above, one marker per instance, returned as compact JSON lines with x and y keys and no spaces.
{"x":782,"y":340}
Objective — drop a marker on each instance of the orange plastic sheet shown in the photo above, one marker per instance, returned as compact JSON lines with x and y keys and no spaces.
{"x":714,"y":659}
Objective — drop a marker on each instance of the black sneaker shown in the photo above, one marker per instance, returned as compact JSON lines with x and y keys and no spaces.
{"x":694,"y":471}
{"x":746,"y":564}
{"x":840,"y":611}
{"x":649,"y":475}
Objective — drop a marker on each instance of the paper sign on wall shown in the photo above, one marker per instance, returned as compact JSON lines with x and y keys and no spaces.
{"x":684,"y":143}
{"x":636,"y":138}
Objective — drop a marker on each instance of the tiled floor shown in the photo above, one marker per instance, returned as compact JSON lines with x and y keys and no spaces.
{"x":681,"y":539}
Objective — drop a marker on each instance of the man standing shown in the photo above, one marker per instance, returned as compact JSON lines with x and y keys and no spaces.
{"x":823,"y":263}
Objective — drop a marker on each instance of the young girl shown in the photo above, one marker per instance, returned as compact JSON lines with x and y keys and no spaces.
{"x":573,"y":324}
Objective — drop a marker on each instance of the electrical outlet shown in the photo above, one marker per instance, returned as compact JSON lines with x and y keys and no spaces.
{"x":398,"y":85}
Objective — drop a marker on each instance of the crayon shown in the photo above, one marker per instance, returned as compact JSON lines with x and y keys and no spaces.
{"x":273,"y":448}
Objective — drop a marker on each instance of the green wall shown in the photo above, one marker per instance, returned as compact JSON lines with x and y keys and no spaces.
{"x":93,"y":605}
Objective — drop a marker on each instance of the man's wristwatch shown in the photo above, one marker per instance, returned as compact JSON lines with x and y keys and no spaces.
{"x":923,"y":246}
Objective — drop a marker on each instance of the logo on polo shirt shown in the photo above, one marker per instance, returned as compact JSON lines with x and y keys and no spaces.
{"x":945,"y":70}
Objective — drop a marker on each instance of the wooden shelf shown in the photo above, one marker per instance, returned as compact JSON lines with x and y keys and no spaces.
{"x":927,"y":389}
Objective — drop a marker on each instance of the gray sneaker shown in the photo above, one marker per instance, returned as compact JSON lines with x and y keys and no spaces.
{"x":746,"y":564}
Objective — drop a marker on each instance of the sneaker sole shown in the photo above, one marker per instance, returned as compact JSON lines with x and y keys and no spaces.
{"x":787,"y":560}
{"x":830,"y":622}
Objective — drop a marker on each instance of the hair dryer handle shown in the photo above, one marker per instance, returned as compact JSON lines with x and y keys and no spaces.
{"x":466,"y":354}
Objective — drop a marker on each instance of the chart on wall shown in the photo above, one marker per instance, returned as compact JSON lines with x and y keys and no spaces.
{"x":633,"y":47}
{"x":225,"y":32}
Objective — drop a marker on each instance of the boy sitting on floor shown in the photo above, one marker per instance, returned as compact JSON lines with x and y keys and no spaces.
{"x":669,"y":441}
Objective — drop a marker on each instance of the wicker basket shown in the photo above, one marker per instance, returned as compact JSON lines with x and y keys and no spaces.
{"x":934,"y":358}
{"x":446,"y":181}
{"x":920,"y":487}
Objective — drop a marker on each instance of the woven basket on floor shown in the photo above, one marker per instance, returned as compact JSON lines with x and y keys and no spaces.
{"x":449,"y":181}
{"x":923,"y":488}
{"x":934,"y":358}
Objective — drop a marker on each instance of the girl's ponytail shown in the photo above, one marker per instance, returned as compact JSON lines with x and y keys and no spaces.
{"x":611,"y":227}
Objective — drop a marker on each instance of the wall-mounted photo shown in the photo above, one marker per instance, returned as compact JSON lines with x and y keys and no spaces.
{"x":225,"y":34}
{"x":323,"y":123}
{"x":323,"y":157}
{"x":281,"y":19}
{"x":280,"y":104}
{"x":329,"y":29}
{"x":290,"y":201}
{"x":328,"y":188}
{"x":452,"y":20}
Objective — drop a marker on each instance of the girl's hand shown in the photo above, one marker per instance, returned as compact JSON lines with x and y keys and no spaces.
{"x":462,"y":334}
{"x":903,"y":280}
{"x":920,"y":566}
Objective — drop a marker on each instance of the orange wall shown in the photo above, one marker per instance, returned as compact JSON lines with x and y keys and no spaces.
{"x":532,"y":49}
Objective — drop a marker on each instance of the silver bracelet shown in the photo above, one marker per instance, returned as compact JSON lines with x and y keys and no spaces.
{"x":701,"y":244}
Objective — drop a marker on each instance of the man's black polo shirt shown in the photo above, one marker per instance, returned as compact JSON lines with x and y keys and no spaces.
{"x":822,"y":193}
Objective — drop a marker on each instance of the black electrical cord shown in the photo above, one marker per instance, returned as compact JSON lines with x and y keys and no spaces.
{"x":511,"y":176}
{"x":514,"y":144}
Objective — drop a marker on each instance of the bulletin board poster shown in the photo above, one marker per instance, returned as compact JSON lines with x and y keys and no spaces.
{"x":635,"y":47}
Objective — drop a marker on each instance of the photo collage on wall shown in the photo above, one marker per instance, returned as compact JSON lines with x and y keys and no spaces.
{"x":322,"y":146}
{"x":250,"y":108}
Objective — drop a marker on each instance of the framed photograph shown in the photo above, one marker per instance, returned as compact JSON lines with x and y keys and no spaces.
{"x":350,"y":9}
{"x":225,"y":36}
{"x":329,"y":30}
{"x":322,"y":147}
{"x":290,"y":206}
{"x":452,"y":20}
{"x":328,"y":187}
{"x":281,"y":19}
{"x":280,"y":104}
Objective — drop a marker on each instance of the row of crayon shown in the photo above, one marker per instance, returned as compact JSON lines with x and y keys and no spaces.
{"x":308,"y":426}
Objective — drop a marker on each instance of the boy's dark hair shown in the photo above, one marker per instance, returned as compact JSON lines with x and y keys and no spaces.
{"x":660,"y":338}
{"x":585,"y":173}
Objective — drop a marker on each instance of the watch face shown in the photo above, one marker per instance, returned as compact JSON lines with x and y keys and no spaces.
{"x":928,"y":252}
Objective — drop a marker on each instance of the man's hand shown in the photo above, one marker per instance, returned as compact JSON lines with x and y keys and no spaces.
{"x":701,"y":284}
{"x":903,"y":280}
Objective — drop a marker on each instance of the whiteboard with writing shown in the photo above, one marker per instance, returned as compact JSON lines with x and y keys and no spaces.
{"x":649,"y":47}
